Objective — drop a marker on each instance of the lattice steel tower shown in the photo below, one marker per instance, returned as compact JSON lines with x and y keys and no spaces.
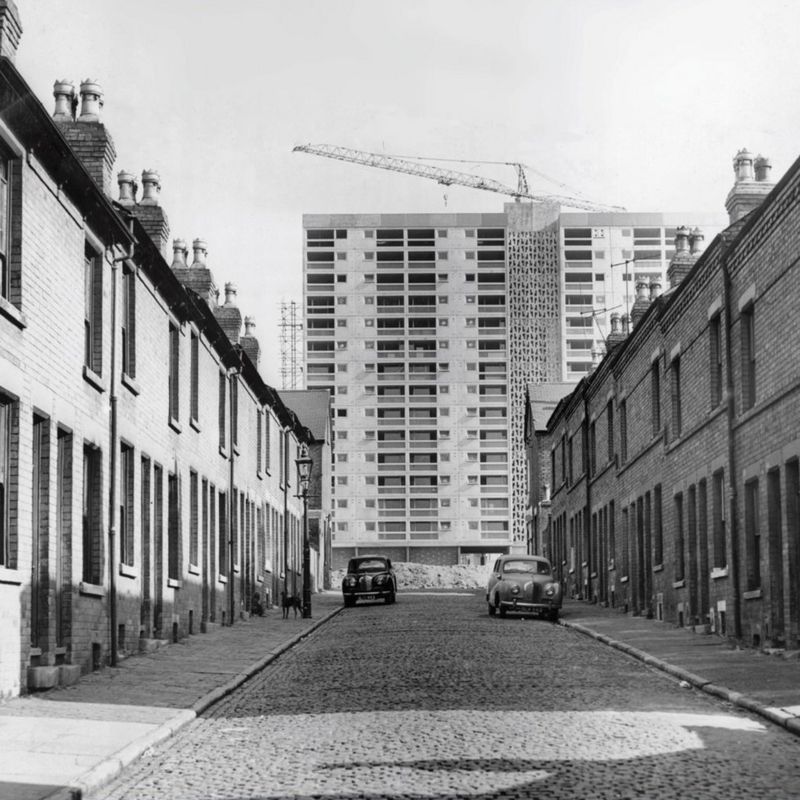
{"x":291,"y":340}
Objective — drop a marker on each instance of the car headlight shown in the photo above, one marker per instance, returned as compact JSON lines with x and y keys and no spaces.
{"x":551,"y":589}
{"x":350,"y":581}
{"x":515,"y":589}
{"x":379,"y":580}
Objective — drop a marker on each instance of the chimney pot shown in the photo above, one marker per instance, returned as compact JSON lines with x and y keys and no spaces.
{"x":151,"y":186}
{"x":179,"y":251}
{"x":64,"y":93}
{"x":127,"y":188}
{"x":743,"y":165}
{"x":249,"y":324}
{"x":682,"y":239}
{"x":763,"y":167}
{"x":655,"y":290}
{"x":200,"y":252}
{"x":230,"y":294}
{"x":626,"y":324}
{"x":91,"y":101}
{"x":696,"y":240}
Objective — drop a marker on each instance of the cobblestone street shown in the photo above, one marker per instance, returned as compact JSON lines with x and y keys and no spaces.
{"x":432,"y":697}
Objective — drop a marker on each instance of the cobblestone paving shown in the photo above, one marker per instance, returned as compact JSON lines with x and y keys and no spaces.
{"x":432,"y":698}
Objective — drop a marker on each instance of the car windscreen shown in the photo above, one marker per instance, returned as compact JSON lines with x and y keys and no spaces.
{"x":371,"y":565}
{"x":533,"y":567}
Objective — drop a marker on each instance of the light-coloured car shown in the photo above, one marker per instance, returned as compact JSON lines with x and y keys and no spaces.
{"x":523,"y":584}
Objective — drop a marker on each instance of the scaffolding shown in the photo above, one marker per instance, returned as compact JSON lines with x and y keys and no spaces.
{"x":291,"y":340}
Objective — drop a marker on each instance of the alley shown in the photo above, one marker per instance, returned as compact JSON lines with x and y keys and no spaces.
{"x":433,"y":698}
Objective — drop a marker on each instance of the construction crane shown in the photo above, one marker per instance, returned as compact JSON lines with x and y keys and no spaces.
{"x":449,"y":177}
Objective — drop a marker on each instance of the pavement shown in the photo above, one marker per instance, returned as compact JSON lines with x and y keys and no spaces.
{"x":66,"y":743}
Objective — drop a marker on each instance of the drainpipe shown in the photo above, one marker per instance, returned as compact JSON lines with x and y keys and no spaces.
{"x":730,"y":403}
{"x":112,"y":467}
{"x":587,"y":514}
{"x":232,"y":376}
{"x":284,"y":467}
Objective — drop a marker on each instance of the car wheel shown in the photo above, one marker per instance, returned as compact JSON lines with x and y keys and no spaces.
{"x":554,"y":615}
{"x":349,"y":602}
{"x":390,"y":598}
{"x":492,"y":610}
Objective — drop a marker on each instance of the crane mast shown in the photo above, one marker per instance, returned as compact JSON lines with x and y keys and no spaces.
{"x":448,"y":177}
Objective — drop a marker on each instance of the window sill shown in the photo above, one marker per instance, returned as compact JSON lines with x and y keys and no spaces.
{"x":174,"y":583}
{"x":658,"y":568}
{"x":236,"y":449}
{"x":259,"y":579}
{"x":12,"y":313}
{"x":222,"y":578}
{"x":624,"y":579}
{"x":719,"y":572}
{"x":91,"y":377}
{"x":91,"y":589}
{"x":193,"y":569}
{"x":259,"y":475}
{"x":128,"y":571}
{"x":679,"y":584}
{"x":130,"y":384}
{"x":194,"y":424}
{"x":753,"y":594}
{"x":12,"y":576}
{"x":223,"y":451}
{"x":236,"y":568}
{"x":175,"y":425}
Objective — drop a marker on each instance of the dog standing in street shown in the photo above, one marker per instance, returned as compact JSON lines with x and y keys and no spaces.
{"x":290,"y":601}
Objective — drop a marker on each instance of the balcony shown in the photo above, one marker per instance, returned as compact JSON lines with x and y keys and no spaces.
{"x":422,"y":422}
{"x":384,"y":512}
{"x":392,"y":467}
{"x":422,"y":308}
{"x":424,"y":467}
{"x":391,"y":445}
{"x":315,"y":332}
{"x":391,"y":354}
{"x":388,"y":399}
{"x":422,"y":398}
{"x":391,"y":422}
{"x":422,"y":444}
{"x":500,"y":353}
{"x":397,"y":333}
{"x":424,"y":489}
{"x":391,"y":490}
{"x":417,"y":354}
{"x":424,"y":512}
{"x":400,"y":309}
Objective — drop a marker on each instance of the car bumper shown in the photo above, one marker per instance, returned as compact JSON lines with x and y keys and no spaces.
{"x":375,"y":594}
{"x":521,"y":605}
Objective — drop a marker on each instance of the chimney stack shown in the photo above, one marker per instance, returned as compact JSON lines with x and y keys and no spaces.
{"x":249,"y":342}
{"x":642,"y":302}
{"x":86,"y":135}
{"x":751,"y":184}
{"x":616,"y":336}
{"x":10,"y":29}
{"x":683,"y":259}
{"x":196,"y":277}
{"x":229,"y":316}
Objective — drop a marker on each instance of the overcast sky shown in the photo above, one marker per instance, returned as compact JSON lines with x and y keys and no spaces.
{"x":629,"y":102}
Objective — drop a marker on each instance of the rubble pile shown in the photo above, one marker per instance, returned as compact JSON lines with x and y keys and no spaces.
{"x":412,"y":576}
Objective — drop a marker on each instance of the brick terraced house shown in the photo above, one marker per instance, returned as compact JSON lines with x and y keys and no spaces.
{"x":147,"y":487}
{"x":674,"y":467}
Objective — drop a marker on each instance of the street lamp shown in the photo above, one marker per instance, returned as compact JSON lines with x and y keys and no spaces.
{"x":304,"y":463}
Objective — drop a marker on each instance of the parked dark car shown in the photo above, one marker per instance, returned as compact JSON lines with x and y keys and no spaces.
{"x":523,"y":583}
{"x":369,"y":578}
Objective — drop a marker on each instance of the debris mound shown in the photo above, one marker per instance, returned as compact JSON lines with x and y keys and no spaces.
{"x":411,"y":576}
